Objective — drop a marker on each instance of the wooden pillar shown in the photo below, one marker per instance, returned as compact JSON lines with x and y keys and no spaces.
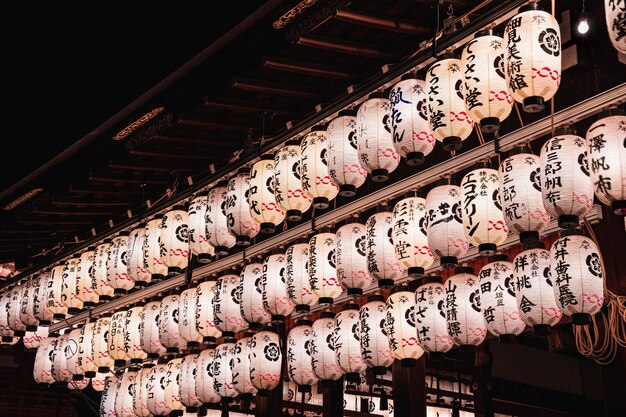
{"x":409,"y":389}
{"x":272,"y":404}
{"x":332,"y":398}
{"x":482,"y":386}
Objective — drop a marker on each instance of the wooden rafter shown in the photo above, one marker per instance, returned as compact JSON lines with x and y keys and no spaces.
{"x":148,"y":166}
{"x":281,"y":89}
{"x":219,"y":122}
{"x":380,"y":22}
{"x":308,"y":68}
{"x":345,"y":47}
{"x":246,"y":106}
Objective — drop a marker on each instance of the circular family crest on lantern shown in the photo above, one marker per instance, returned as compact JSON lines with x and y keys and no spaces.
{"x":316,"y":181}
{"x":197,"y":220}
{"x":265,"y":361}
{"x":288,"y":190}
{"x":241,"y":224}
{"x":263,"y":207}
{"x":175,"y":240}
{"x":342,"y":154}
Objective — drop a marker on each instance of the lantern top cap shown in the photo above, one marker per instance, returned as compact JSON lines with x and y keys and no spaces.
{"x":266,"y":157}
{"x":522,"y":148}
{"x":124,"y":233}
{"x":292,"y":142}
{"x":183,"y":206}
{"x":447,"y":55}
{"x":243,"y":170}
{"x":318,"y":128}
{"x":532,"y":5}
{"x":400,"y":288}
{"x":534,"y":245}
{"x":611,"y":111}
{"x":500,"y":257}
{"x":221,"y":183}
{"x":158,"y":216}
{"x":304,"y":322}
{"x":485,"y":32}
{"x":482,"y":164}
{"x":141,"y":225}
{"x":347,"y":112}
{"x":431,"y":279}
{"x":565,"y":130}
{"x":350,"y":306}
{"x":107,"y":240}
{"x":408,"y":76}
{"x":464,"y":270}
{"x":327,"y":315}
{"x":444,"y":181}
{"x":91,"y":248}
{"x":76,"y":255}
{"x":248,"y":333}
{"x":377,"y":94}
{"x":572,"y":232}
{"x":375,"y":297}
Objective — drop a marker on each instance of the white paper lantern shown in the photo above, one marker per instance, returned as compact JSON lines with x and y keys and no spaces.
{"x":196,"y":218}
{"x":27,"y":303}
{"x":5,"y":330}
{"x":132,"y":335}
{"x":342,"y":154}
{"x":240,"y":222}
{"x":567,"y":190}
{"x":412,"y":136}
{"x":226,"y":311}
{"x":157,"y":403}
{"x":322,"y":348}
{"x":135,"y":267}
{"x":99,"y":381}
{"x":79,"y":385}
{"x":483,"y":220}
{"x":381,"y":257}
{"x":322,"y":267}
{"x":520,"y":195}
{"x":152,"y":253}
{"x":217,"y":231}
{"x":109,"y":395}
{"x":251,"y":296}
{"x":607,"y":159}
{"x":263,"y":207}
{"x":60,"y":372}
{"x":100,"y":282}
{"x":275,"y":298}
{"x":497,"y":299}
{"x":265,"y":361}
{"x":376,"y":151}
{"x":72,"y":354}
{"x":149,"y":330}
{"x":373,"y":327}
{"x":124,"y":395}
{"x":85,"y":278}
{"x":288,"y":190}
{"x":187,"y":318}
{"x":315,"y":177}
{"x":485,"y":91}
{"x":140,"y":394}
{"x":222,"y":371}
{"x":241,"y":368}
{"x":299,"y":364}
{"x":42,"y":368}
{"x":430,"y":317}
{"x":169,"y":333}
{"x":351,"y":257}
{"x":409,"y":236}
{"x":13,"y":310}
{"x":188,"y":375}
{"x":401,"y":332}
{"x":54,"y":301}
{"x":444,"y":224}
{"x":40,"y":298}
{"x":117,"y":265}
{"x":346,"y":340}
{"x":85,"y":350}
{"x":464,"y":318}
{"x":615,"y":13}
{"x":204,"y":311}
{"x":32,"y":340}
{"x":297,"y":277}
{"x":116,"y":339}
{"x":532,"y":58}
{"x":448,"y":119}
{"x":69,"y":286}
{"x":172,"y":387}
{"x":577,"y":277}
{"x":175,"y":240}
{"x":99,"y":344}
{"x":205,"y":388}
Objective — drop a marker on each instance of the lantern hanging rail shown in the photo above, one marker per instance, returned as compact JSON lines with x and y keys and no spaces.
{"x":533,"y":131}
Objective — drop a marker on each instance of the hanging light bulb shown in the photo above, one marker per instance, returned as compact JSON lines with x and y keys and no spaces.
{"x":117,"y":265}
{"x":323,"y":349}
{"x":381,"y":258}
{"x":85,"y":278}
{"x":217,"y":231}
{"x":401,"y":331}
{"x":196,"y":218}
{"x":346,"y":340}
{"x":187,"y":317}
{"x":299,"y":364}
{"x":464,"y":319}
{"x":288,"y":190}
{"x":322,"y":266}
{"x":315,"y":178}
{"x":136,"y":271}
{"x":69,"y":289}
{"x":241,"y":224}
{"x":351,"y":257}
{"x":342,"y":156}
{"x":614,"y":12}
{"x":374,"y":343}
{"x":251,"y":296}
{"x":275,"y":298}
{"x":152,"y":261}
{"x":175,"y":239}
{"x":263,"y":207}
{"x":204,"y":311}
{"x":409,"y":236}
{"x":169,"y":332}
{"x":226,"y":311}
{"x":265,"y":361}
{"x":149,"y":330}
{"x":430,"y":317}
{"x":583,"y":24}
{"x":297,"y":276}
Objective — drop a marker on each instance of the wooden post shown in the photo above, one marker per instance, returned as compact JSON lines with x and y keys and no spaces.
{"x":409,"y":389}
{"x":333,"y":397}
{"x":482,"y":386}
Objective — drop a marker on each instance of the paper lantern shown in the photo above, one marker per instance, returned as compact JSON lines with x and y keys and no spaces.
{"x":532,"y":58}
{"x":485,"y":91}
{"x":99,"y":281}
{"x":351,"y":257}
{"x":60,"y":373}
{"x":117,"y":265}
{"x":577,"y":276}
{"x":615,"y":13}
{"x":567,"y":190}
{"x":241,"y":224}
{"x":412,"y":137}
{"x":169,"y":333}
{"x":322,"y":348}
{"x":109,"y":395}
{"x":263,"y":207}
{"x":157,"y":403}
{"x":149,"y":330}
{"x":226,"y":311}
{"x":196,"y":218}
{"x":152,"y":253}
{"x":187,"y":318}
{"x":188,"y":375}
{"x":430,"y":317}
{"x":251,"y":296}
{"x":315,"y":176}
{"x":297,"y":277}
{"x":205,"y":388}
{"x":85,"y":350}
{"x":299,"y":364}
{"x":497,"y":299}
{"x":241,"y":367}
{"x":265,"y":361}
{"x":464,"y":319}
{"x":175,"y":240}
{"x":135,"y":260}
{"x":401,"y":332}
{"x":217,"y":231}
{"x":444,"y":224}
{"x":32,"y":340}
{"x":98,"y":382}
{"x":79,"y":385}
{"x":533,"y":289}
{"x":13,"y":310}
{"x":204,"y":311}
{"x":132,"y":335}
{"x":116,"y":339}
{"x":42,"y":367}
{"x":72,"y":354}
{"x":69,"y":286}
{"x":409,"y":236}
{"x":27,"y":303}
{"x":380,"y":253}
{"x":373,"y":327}
{"x":447,"y":117}
{"x":376,"y":151}
{"x":322,"y":267}
{"x":40,"y":298}
{"x":483,"y":220}
{"x":140,"y":394}
{"x":346,"y":340}
{"x":274,"y":287}
{"x":607,"y":159}
{"x":5,"y":330}
{"x":222,"y":372}
{"x":288,"y":191}
{"x":125,"y":392}
{"x":86,"y":279}
{"x":342,"y":154}
{"x":99,"y":344}
{"x":172,"y":387}
{"x":54,"y":302}
{"x":520,"y":195}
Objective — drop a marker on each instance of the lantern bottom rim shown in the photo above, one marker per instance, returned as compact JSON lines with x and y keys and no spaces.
{"x":157,"y":277}
{"x":171,"y":350}
{"x":355,"y":291}
{"x":44,"y":323}
{"x":449,"y":261}
{"x":7,"y":339}
{"x":173,"y":270}
{"x":243,"y":240}
{"x":325,"y":300}
{"x":19,"y":333}
{"x":294,"y":215}
{"x":581,"y":319}
{"x":408,"y":362}
{"x":193,"y":344}
{"x":278,"y":318}
{"x":86,"y":305}
{"x":304,"y":388}
{"x":568,"y":221}
{"x":176,"y":413}
{"x":380,"y":175}
{"x":58,"y":316}
{"x":385,"y":283}
{"x":136,"y":361}
{"x":489,"y":124}
{"x":253,"y":325}
{"x":529,"y":237}
{"x":320,"y":203}
{"x":209,"y":339}
{"x":268,"y":228}
{"x":347,"y":190}
{"x":302,"y":308}
{"x":191,"y":409}
{"x":352,"y":377}
{"x":533,"y":104}
{"x":542,"y":329}
{"x":153,"y":356}
{"x":103,"y":369}
{"x":263,"y":392}
{"x":204,"y":258}
{"x":379,"y":370}
{"x":31,"y":328}
{"x":451,"y":143}
{"x":90,"y":374}
{"x":78,"y":377}
{"x":120,"y":291}
{"x":507,"y":339}
{"x":436,"y":356}
{"x":221,"y":250}
{"x":487,"y":249}
{"x":619,"y":207}
{"x":414,"y":159}
{"x":415,"y":271}
{"x":467,"y":348}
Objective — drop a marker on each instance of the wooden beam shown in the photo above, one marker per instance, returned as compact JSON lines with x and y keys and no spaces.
{"x":172,"y":154}
{"x":223,"y":140}
{"x":38,"y":230}
{"x":307,"y":68}
{"x":246,"y":106}
{"x":371,"y":20}
{"x":149,"y":166}
{"x":82,"y":202}
{"x":76,"y":211}
{"x":483,"y":396}
{"x":332,"y":400}
{"x":409,"y":389}
{"x":344,"y":47}
{"x":53,"y":220}
{"x":102,"y":190}
{"x":219,"y":122}
{"x":101,"y":177}
{"x":281,"y":89}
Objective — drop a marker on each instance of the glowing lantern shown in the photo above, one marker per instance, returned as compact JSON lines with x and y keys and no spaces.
{"x":351,"y":259}
{"x":60,"y":373}
{"x":109,"y":395}
{"x":497,"y":299}
{"x":401,"y":331}
{"x":13,"y":310}
{"x":374,"y":343}
{"x":187,"y":317}
{"x":69,"y":286}
{"x":430,"y":317}
{"x":412,"y":137}
{"x":140,"y":393}
{"x":485,"y":91}
{"x":464,"y":319}
{"x":241,"y":367}
{"x":5,"y":330}
{"x":27,"y":304}
{"x":444,"y":225}
{"x":205,"y":388}
{"x":79,"y":385}
{"x":222,"y":372}
{"x":196,"y":218}
{"x":532,"y":59}
{"x":42,"y":368}
{"x":135,"y":268}
{"x":124,"y":397}
{"x":149,"y":330}
{"x":175,"y":240}
{"x":607,"y":159}
{"x":448,"y":119}
{"x":520,"y":195}
{"x":251,"y":296}
{"x":117,"y":265}
{"x":152,"y":262}
{"x":322,"y":348}
{"x":615,"y":12}
{"x":381,"y":258}
{"x":238,"y":216}
{"x":72,"y":354}
{"x":275,"y":298}
{"x":322,"y":270}
{"x":132,"y":335}
{"x":53,"y":296}
{"x":40,"y":298}
{"x":483,"y":220}
{"x":342,"y":154}
{"x":32,"y":340}
{"x":98,"y":382}
{"x":346,"y":340}
{"x":226,"y":311}
{"x":263,"y":207}
{"x":297,"y":277}
{"x":299,"y":364}
{"x":265,"y":361}
{"x":85,"y":350}
{"x":204,"y":311}
{"x":85,"y":278}
{"x":169,"y":333}
{"x":116,"y":339}
{"x":172,"y":387}
{"x":409,"y":236}
{"x":315,"y":177}
{"x":156,"y":402}
{"x":188,"y":374}
{"x":577,"y":279}
{"x":376,"y":151}
{"x":288,"y":191}
{"x":99,"y":281}
{"x":99,"y":345}
{"x":217,"y":231}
